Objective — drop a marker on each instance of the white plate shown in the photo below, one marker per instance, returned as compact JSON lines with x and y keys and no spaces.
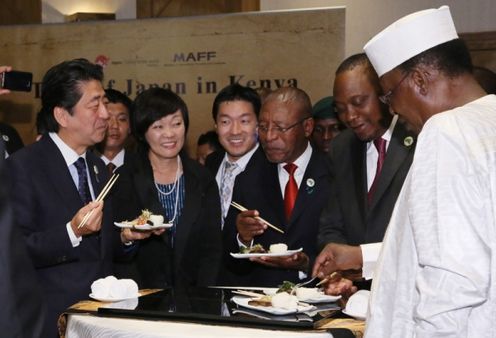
{"x":320,"y":298}
{"x":356,"y":316}
{"x":143,"y":227}
{"x":111,"y":300}
{"x":243,"y":301}
{"x":265,"y":254}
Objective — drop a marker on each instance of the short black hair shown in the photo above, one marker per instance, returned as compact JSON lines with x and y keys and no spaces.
{"x":211,"y":138}
{"x":153,"y":104}
{"x":115,"y":96}
{"x":61,"y":87}
{"x":451,"y":58}
{"x":236,"y":92}
{"x":361,"y":60}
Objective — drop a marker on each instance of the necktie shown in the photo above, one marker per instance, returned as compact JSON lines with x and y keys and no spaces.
{"x":110,"y":168}
{"x":83,"y":188}
{"x":290,"y":191}
{"x":380,"y":145}
{"x":226,"y":187}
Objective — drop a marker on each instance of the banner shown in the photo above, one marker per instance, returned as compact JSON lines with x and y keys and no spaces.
{"x":193,"y":56}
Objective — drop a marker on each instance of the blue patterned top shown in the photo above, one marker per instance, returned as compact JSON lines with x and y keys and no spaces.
{"x":167,"y":199}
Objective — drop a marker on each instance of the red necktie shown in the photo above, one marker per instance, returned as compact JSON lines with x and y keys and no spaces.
{"x":290,"y":191}
{"x":380,"y":145}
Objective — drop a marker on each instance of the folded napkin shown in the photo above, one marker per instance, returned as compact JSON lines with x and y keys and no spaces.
{"x":113,"y":288}
{"x":358,"y":303}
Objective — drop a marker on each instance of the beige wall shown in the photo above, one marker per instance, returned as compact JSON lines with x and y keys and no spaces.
{"x":195,"y":56}
{"x":364,"y":18}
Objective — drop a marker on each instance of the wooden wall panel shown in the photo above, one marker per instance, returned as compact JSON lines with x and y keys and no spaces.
{"x":177,"y":8}
{"x":17,"y":12}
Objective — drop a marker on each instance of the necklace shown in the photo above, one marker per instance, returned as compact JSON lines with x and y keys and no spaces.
{"x":165,"y":193}
{"x":176,"y":186}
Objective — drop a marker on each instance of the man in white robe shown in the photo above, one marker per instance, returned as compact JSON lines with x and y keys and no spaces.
{"x":436,"y":272}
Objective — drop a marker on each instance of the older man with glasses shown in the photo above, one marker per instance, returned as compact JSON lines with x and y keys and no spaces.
{"x":289,"y":191}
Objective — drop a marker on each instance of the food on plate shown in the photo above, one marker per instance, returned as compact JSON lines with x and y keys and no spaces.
{"x":284,"y":300}
{"x":147,"y":218}
{"x":307,"y":293}
{"x":286,"y":287}
{"x":262,"y":301}
{"x":257,"y":248}
{"x":278,"y":248}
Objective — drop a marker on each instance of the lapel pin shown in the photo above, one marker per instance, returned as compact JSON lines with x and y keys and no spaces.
{"x":408,"y":141}
{"x":310,"y":182}
{"x":95,"y":170}
{"x":5,"y":138}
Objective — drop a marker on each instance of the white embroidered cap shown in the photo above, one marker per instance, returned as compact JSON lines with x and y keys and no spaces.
{"x":410,"y":36}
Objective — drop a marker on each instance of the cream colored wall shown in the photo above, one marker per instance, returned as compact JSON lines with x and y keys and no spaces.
{"x":53,"y":11}
{"x":364,"y":18}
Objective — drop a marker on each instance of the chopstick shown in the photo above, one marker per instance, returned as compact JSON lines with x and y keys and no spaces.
{"x":100,"y":197}
{"x":242,"y":208}
{"x":328,"y":278}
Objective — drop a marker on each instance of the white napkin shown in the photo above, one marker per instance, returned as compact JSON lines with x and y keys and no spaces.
{"x":113,"y":288}
{"x":358,"y":303}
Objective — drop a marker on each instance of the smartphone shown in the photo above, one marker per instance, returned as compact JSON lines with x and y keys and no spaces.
{"x":16,"y":80}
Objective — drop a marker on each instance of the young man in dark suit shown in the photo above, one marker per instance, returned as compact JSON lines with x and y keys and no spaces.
{"x":366,"y":179}
{"x":289,"y":192}
{"x":54,"y":184}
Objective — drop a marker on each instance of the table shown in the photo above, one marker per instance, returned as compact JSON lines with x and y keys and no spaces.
{"x":85,"y":326}
{"x":81,"y":320}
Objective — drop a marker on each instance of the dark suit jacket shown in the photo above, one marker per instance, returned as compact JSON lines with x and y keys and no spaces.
{"x":214,"y":160}
{"x":347,"y":217}
{"x":196,"y":255}
{"x":21,"y":313}
{"x":44,"y":199}
{"x":259,"y":189}
{"x":13,"y":141}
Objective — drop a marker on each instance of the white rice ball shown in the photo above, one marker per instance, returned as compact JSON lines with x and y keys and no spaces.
{"x":278,"y":248}
{"x":284,"y":300}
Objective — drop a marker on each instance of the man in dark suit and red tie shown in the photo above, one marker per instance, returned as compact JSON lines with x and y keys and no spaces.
{"x":289,"y":191}
{"x":369,"y":162}
{"x":54,"y":184}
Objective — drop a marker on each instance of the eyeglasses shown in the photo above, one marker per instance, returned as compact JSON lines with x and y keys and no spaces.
{"x":386,"y":98}
{"x":280,"y":130}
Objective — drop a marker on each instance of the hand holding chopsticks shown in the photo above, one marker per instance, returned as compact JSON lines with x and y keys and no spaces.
{"x":100,"y":197}
{"x":242,"y":208}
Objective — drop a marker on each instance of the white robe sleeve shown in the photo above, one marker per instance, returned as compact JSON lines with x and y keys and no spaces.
{"x":370,"y":255}
{"x":450,"y":213}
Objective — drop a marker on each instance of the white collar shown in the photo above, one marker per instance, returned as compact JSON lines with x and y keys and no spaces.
{"x":242,"y":162}
{"x":118,"y":160}
{"x":70,"y":156}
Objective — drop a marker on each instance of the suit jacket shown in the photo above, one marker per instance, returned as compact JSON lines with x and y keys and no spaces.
{"x":260,"y":189}
{"x":44,"y":199}
{"x":214,"y":160}
{"x":196,"y":255}
{"x":21,"y":313}
{"x":348,"y":218}
{"x":13,"y":141}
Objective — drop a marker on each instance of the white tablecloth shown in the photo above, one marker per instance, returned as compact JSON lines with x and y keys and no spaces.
{"x":80,"y":326}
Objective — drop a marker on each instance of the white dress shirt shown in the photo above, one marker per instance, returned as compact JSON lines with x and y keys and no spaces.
{"x":118,"y":160}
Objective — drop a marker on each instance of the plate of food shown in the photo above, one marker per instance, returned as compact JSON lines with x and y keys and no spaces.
{"x":304,"y":294}
{"x":279,"y":304}
{"x":111,"y":299}
{"x":257,"y":250}
{"x":145,"y":221}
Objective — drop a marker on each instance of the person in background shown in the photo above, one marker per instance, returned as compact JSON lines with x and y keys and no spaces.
{"x":54,"y":184}
{"x":163,"y":180}
{"x":112,"y":149}
{"x":327,"y":125}
{"x":289,"y":191}
{"x":207,"y":144}
{"x":436,"y":272}
{"x":369,"y":162}
{"x":21,"y":313}
{"x":10,"y":136}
